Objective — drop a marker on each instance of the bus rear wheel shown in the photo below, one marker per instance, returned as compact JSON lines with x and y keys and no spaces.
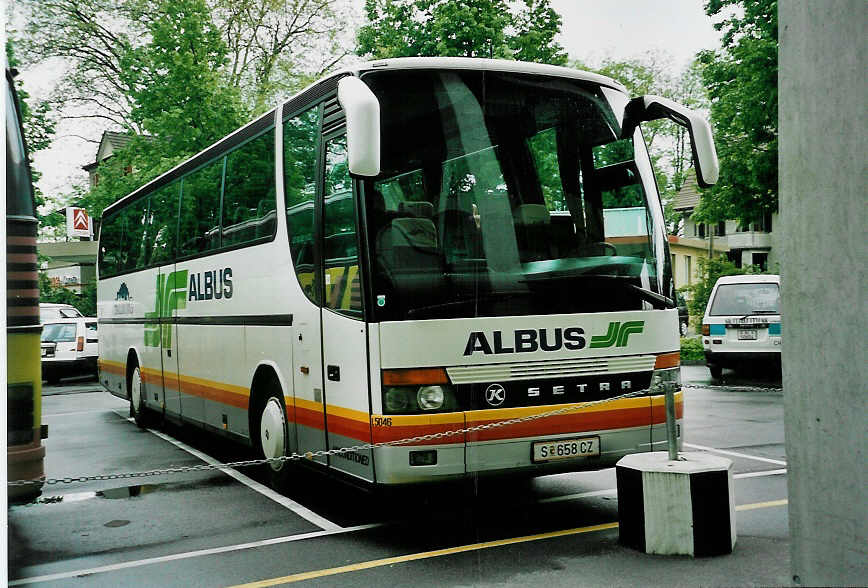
{"x":274,"y":438}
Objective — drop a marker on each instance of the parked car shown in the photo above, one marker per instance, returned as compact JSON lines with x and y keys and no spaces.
{"x":69,"y":347}
{"x":683,"y":316}
{"x":742,"y":323}
{"x":49,"y":311}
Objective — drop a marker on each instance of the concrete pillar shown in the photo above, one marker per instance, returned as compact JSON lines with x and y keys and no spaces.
{"x":822,"y":89}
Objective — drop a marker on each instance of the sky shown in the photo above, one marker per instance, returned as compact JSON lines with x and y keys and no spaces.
{"x":592,"y":30}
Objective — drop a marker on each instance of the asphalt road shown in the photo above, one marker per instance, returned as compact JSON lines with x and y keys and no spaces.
{"x":211,"y":529}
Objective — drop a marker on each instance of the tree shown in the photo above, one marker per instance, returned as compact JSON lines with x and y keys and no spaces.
{"x":176,"y":96}
{"x":524,"y":29}
{"x":741,"y":79}
{"x":278,"y":45}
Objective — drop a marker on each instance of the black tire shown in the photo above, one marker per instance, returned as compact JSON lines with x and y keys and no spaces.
{"x":716,"y":371}
{"x":136,"y":393}
{"x":53,"y":378}
{"x":272,"y":438}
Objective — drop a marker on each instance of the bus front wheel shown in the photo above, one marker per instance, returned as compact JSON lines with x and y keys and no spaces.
{"x":137,"y":400}
{"x":273,"y":438}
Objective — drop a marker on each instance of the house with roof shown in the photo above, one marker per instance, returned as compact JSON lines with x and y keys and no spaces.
{"x":742,"y":243}
{"x":110,"y":142}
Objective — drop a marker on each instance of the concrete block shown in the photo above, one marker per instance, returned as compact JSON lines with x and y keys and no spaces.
{"x":684,"y":507}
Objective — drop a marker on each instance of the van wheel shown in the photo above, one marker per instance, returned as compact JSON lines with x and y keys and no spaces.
{"x":137,"y":401}
{"x":716,"y":371}
{"x":274,"y":438}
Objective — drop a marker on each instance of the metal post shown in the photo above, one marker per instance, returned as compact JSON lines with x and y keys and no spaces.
{"x":671,"y":435}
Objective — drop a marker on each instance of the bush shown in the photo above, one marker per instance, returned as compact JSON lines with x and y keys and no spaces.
{"x":691,"y":349}
{"x":85,"y":303}
{"x":709,"y":270}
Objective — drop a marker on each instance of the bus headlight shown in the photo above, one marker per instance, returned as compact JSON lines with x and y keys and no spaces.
{"x":431,"y":397}
{"x":396,"y":399}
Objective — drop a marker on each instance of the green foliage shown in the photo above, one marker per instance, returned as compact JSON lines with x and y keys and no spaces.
{"x":85,"y":303}
{"x":178,"y":98}
{"x":174,"y":80}
{"x":742,"y":82}
{"x":522,"y":30}
{"x":691,"y":349}
{"x":710,"y":269}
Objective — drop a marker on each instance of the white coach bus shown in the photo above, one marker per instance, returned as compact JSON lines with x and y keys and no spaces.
{"x":410,"y":247}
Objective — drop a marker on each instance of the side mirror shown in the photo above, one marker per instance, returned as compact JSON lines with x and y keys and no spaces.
{"x":363,"y":126}
{"x":656,"y":107}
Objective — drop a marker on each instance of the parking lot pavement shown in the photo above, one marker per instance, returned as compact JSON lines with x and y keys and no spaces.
{"x":207,"y":528}
{"x":75,"y":385}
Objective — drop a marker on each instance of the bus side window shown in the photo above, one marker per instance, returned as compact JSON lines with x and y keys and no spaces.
{"x":300,"y":135}
{"x":249,"y":207}
{"x":163,"y":223}
{"x":199,"y":227}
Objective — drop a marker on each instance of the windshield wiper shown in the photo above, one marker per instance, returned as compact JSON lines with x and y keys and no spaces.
{"x":656,"y":300}
{"x":753,"y":312}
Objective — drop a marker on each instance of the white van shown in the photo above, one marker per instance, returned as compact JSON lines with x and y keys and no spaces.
{"x":49,"y":311}
{"x":69,"y":347}
{"x":742,"y":323}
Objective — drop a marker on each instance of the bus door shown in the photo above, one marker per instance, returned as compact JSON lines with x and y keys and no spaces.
{"x":172,"y":286}
{"x":344,"y":332}
{"x":171,"y":289}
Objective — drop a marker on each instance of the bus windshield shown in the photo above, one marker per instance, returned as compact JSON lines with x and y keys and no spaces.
{"x":509,"y":194}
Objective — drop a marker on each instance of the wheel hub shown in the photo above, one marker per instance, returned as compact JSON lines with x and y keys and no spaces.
{"x":272,"y":427}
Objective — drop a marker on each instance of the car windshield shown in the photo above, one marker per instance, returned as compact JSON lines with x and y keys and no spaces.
{"x":746,"y":299}
{"x":58,"y":332}
{"x":509,"y":194}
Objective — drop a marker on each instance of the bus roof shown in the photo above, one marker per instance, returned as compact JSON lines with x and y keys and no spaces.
{"x":473,"y":63}
{"x":445,"y":63}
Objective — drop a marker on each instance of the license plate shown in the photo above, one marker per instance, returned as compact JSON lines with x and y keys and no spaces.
{"x":747,"y":334}
{"x":565,"y":449}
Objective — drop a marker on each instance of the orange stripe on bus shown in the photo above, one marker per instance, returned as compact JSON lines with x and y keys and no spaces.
{"x":112,"y":367}
{"x":348,"y":427}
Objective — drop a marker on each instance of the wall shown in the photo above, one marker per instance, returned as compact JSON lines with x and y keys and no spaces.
{"x":822,"y":86}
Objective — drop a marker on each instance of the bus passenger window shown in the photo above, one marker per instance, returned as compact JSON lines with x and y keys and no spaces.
{"x":199,"y":227}
{"x":249,"y":208}
{"x":163,"y":224}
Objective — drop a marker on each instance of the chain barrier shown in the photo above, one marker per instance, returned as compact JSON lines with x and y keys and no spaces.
{"x":734,"y":388}
{"x":367,"y":446}
{"x":324,"y":452}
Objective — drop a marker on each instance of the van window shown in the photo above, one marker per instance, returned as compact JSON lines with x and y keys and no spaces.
{"x":746,"y":299}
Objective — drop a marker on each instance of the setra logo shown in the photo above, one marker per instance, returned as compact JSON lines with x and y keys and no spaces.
{"x":495,"y":395}
{"x":617,"y":334}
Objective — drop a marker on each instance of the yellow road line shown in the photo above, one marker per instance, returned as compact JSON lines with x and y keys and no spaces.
{"x":377,"y":563}
{"x":366,"y":565}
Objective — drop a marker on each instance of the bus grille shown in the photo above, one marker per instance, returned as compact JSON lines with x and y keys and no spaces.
{"x":550,"y":369}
